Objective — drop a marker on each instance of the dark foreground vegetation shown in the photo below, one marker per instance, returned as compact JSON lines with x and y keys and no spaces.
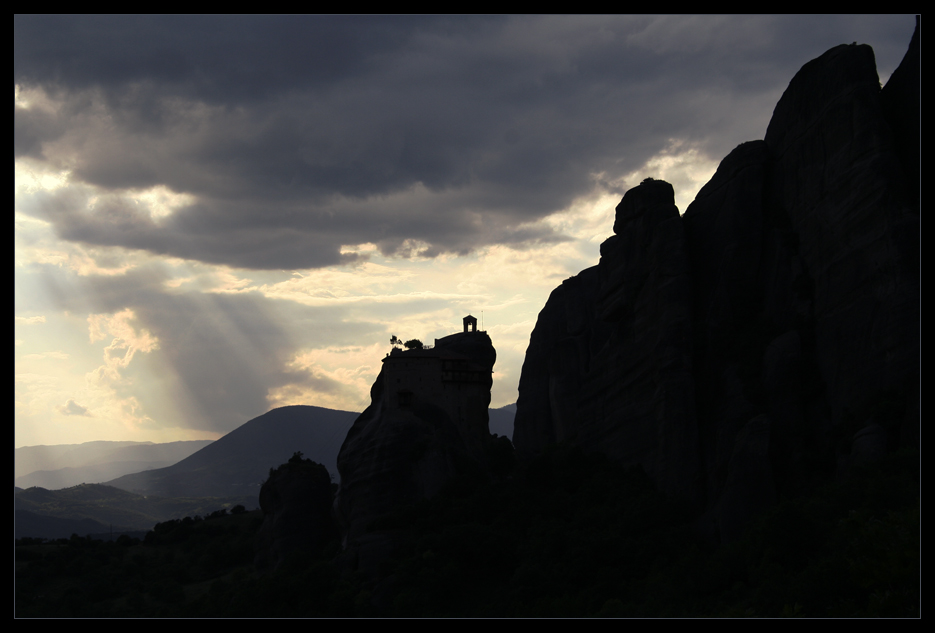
{"x":569,"y":535}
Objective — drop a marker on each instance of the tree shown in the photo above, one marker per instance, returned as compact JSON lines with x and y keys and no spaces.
{"x":413,"y":344}
{"x":394,"y":341}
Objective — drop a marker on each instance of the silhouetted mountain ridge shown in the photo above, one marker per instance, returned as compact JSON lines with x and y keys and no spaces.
{"x":64,"y":465}
{"x":237,"y":463}
{"x":98,"y":508}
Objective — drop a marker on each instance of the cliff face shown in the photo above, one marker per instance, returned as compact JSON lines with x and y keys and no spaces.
{"x":426,"y":424}
{"x":769,"y":336}
{"x":609,"y":363}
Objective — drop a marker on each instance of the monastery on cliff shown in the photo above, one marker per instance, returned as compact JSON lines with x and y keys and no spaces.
{"x":455,"y":382}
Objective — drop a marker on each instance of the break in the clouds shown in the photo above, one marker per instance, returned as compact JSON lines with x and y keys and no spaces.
{"x":289,"y":137}
{"x":218,"y":215}
{"x":211,"y":358}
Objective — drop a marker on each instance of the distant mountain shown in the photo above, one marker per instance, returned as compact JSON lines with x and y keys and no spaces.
{"x":501,"y":420}
{"x":98,"y":509}
{"x":228,"y":471}
{"x":238,"y":463}
{"x":92,"y":474}
{"x":32,"y":458}
{"x":64,"y":465}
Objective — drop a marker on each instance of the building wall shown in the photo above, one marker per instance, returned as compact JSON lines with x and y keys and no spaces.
{"x":455,"y":386}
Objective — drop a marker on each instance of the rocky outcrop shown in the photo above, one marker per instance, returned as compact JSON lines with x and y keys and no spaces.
{"x":296,"y":502}
{"x":627,"y":318}
{"x":738,"y":351}
{"x":900,"y":99}
{"x":426,"y":425}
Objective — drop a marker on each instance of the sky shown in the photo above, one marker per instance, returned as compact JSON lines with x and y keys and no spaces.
{"x":216,"y":216}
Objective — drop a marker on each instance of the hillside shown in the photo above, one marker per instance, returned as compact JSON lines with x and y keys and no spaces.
{"x":236,"y":464}
{"x":64,"y":465}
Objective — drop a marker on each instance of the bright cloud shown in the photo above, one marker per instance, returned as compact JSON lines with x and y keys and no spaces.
{"x":73,"y":408}
{"x":30,"y":320}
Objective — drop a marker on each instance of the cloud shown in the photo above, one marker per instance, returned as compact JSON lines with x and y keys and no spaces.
{"x":73,"y":408}
{"x":208,"y":360}
{"x":194,"y":355}
{"x":316,"y":380}
{"x":58,"y":355}
{"x":280,"y":140}
{"x":127,"y":336}
{"x":111,"y":377}
{"x":29,"y":320}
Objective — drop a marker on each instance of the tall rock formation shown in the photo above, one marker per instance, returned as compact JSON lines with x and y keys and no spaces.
{"x":426,"y":425}
{"x":770,"y":335}
{"x":609,"y":363}
{"x":296,"y":502}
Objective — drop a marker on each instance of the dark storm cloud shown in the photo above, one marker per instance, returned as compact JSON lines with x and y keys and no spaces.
{"x":299,"y":134}
{"x":218,"y":59}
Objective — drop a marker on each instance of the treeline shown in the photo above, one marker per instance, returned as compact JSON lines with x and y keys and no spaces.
{"x":568,"y":535}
